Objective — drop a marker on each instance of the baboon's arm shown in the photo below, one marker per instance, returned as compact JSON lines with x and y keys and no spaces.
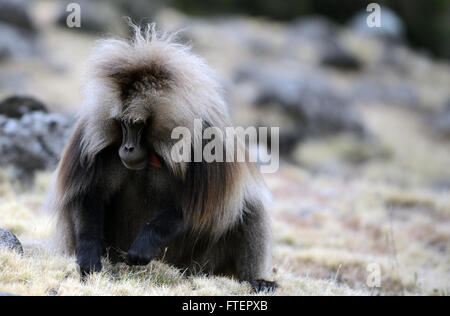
{"x":89,"y":233}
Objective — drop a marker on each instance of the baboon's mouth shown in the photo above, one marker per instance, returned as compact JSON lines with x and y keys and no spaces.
{"x":135,"y":165}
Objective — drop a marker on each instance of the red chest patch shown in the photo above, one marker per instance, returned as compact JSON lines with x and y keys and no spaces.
{"x":154,"y":161}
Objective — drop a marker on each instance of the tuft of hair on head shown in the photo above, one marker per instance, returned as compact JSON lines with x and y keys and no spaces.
{"x":112,"y":55}
{"x":149,"y":33}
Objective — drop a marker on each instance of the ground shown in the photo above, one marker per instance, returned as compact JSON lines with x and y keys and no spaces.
{"x":330,"y":230}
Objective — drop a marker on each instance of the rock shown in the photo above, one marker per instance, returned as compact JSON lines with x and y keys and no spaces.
{"x":335,"y":55}
{"x":97,"y":17}
{"x":33,"y":142}
{"x":441,"y":121}
{"x":9,"y":240}
{"x":15,"y":13}
{"x":314,"y":107}
{"x":17,"y":106}
{"x":370,"y":90}
{"x":313,"y":28}
{"x":17,"y":30}
{"x":14,"y":43}
{"x":322,"y":36}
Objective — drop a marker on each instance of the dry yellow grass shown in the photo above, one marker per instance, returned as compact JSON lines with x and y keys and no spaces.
{"x":327,"y":230}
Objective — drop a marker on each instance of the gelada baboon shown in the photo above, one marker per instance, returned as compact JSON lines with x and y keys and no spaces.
{"x":117,"y":188}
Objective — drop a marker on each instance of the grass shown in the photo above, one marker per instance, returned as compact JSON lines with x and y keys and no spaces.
{"x":328,"y":229}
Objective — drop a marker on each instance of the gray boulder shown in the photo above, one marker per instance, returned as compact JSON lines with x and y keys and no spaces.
{"x":322,"y":35}
{"x":17,"y":30}
{"x":34,"y":141}
{"x":15,"y":13}
{"x":313,"y":28}
{"x":15,"y":43}
{"x":333,"y":54}
{"x":17,"y":106}
{"x":370,"y":90}
{"x":9,"y":241}
{"x":314,"y":107}
{"x":441,"y":121}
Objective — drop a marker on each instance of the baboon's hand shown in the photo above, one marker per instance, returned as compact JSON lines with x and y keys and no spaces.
{"x":89,"y":258}
{"x":263,"y":286}
{"x":141,"y":252}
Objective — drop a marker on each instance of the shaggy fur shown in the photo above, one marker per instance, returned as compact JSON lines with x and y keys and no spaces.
{"x":152,"y":78}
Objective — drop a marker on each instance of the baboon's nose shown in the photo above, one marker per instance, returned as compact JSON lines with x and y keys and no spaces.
{"x":129,"y":149}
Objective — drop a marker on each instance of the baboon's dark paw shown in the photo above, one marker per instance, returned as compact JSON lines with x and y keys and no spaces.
{"x":263,"y":286}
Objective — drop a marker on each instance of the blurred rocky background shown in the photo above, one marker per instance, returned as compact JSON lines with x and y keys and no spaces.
{"x":364,"y":117}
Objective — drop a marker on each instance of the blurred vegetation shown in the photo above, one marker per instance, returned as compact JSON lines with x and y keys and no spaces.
{"x":427,"y":22}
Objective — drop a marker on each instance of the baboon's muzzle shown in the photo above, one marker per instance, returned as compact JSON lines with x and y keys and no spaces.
{"x":133,"y":151}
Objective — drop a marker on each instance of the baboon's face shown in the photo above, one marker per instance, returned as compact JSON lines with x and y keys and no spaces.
{"x":134,"y":151}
